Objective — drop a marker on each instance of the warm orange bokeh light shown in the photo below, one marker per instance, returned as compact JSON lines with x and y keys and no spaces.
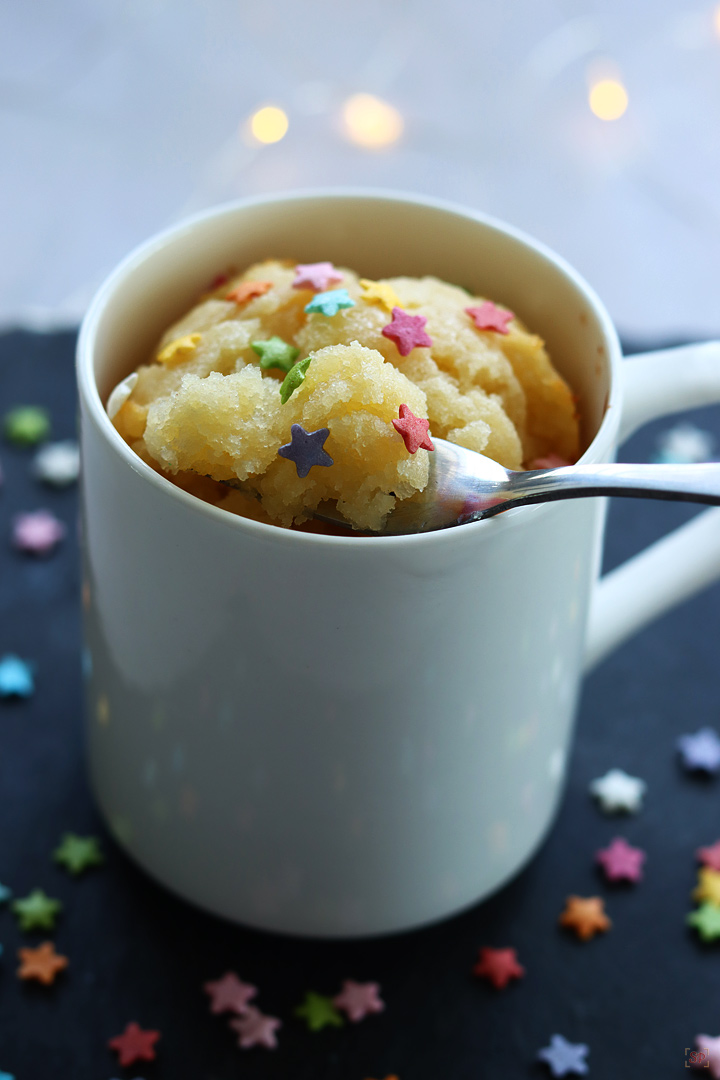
{"x":269,"y":124}
{"x":608,"y":99}
{"x":371,"y":122}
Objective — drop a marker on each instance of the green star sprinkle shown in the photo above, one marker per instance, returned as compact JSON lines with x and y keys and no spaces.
{"x":78,"y":853}
{"x":706,"y":920}
{"x":26,"y":425}
{"x":294,"y":377}
{"x":275,"y":353}
{"x":36,"y":911}
{"x":319,"y":1012}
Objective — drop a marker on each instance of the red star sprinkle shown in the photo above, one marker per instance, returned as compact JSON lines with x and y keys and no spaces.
{"x":620,"y":861}
{"x":248,"y":290}
{"x":414,"y":430}
{"x":710,"y":856}
{"x":255,"y":1029}
{"x":38,"y":532}
{"x":489,"y":317}
{"x":407,"y":331}
{"x":229,"y":994}
{"x":316,"y":276}
{"x":358,"y":1000}
{"x":499,"y":966}
{"x":134,"y":1044}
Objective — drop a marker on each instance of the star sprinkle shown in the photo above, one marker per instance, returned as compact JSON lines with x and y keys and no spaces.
{"x":256,"y":1029}
{"x":701,"y":751}
{"x":26,"y":425}
{"x":42,"y":964}
{"x":329,"y":303}
{"x":78,"y":853}
{"x":319,"y":1012}
{"x":708,"y":887}
{"x":617,"y":791}
{"x":620,"y":861}
{"x":58,"y":463}
{"x":706,"y":920}
{"x":229,"y":994}
{"x":414,"y":430}
{"x":684,"y":444}
{"x":316,"y":276}
{"x":5,"y":894}
{"x":710,"y":856}
{"x":134,"y":1044}
{"x":407,"y":331}
{"x":585,"y":915}
{"x":6,"y":1076}
{"x":120,"y":395}
{"x":293,"y":379}
{"x":358,"y":1000}
{"x":37,"y":533}
{"x":36,"y":911}
{"x":489,"y":317}
{"x":275,"y":353}
{"x":499,"y":966}
{"x":306,"y":449}
{"x":175,"y":352}
{"x":377,"y":292}
{"x":16,"y":677}
{"x":248,"y":290}
{"x":710,"y":1046}
{"x":565,"y":1058}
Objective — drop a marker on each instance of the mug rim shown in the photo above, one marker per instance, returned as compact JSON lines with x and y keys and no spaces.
{"x":90,"y":395}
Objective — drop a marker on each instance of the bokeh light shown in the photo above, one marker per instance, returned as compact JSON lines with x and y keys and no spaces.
{"x":371,"y":122}
{"x":717,"y":20}
{"x":269,"y":124}
{"x":608,"y":99}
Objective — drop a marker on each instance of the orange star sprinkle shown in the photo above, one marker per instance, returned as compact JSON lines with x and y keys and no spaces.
{"x":42,"y":964}
{"x":248,"y":290}
{"x":585,"y":915}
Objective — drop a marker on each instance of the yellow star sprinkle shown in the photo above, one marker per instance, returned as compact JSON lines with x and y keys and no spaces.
{"x":375,"y":291}
{"x":179,"y":349}
{"x":709,"y":887}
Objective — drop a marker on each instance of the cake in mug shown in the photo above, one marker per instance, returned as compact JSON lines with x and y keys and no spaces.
{"x":291,"y":384}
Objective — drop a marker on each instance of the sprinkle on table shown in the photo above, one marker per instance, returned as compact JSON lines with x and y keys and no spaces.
{"x":306,"y":449}
{"x":316,"y":276}
{"x":78,"y":853}
{"x":134,"y":1044}
{"x":26,"y":425}
{"x":498,"y":966}
{"x":248,"y":290}
{"x":318,"y":1011}
{"x":229,"y":994}
{"x":489,"y":317}
{"x":275,"y":353}
{"x":706,"y":920}
{"x":358,"y":1000}
{"x":617,"y":791}
{"x":293,"y":379}
{"x":177,"y":351}
{"x":6,"y":1076}
{"x":5,"y":894}
{"x":255,"y":1029}
{"x":37,"y":532}
{"x":36,"y":911}
{"x":704,"y":1045}
{"x":414,"y":430}
{"x":42,"y":964}
{"x":708,"y":887}
{"x":585,"y":915}
{"x":16,"y":677}
{"x":57,"y":463}
{"x":620,"y":861}
{"x":329,"y":303}
{"x":565,"y":1058}
{"x":700,"y":752}
{"x":710,"y":856}
{"x":407,"y":331}
{"x":377,"y":292}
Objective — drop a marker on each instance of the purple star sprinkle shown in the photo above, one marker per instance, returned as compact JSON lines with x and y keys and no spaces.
{"x":38,"y":532}
{"x":700,"y":751}
{"x":306,"y":449}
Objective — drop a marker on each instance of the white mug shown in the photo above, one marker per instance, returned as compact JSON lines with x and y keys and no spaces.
{"x":345,"y":736}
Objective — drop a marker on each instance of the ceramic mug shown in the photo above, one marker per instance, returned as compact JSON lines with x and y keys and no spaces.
{"x":344,"y":736}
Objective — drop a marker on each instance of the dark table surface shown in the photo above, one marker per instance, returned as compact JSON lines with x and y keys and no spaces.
{"x":637,"y":995}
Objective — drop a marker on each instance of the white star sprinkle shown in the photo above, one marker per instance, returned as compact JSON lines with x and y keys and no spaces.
{"x":120,"y":394}
{"x":58,"y":463}
{"x":616,"y":790}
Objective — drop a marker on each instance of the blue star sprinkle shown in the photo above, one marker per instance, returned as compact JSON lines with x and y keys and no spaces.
{"x":330,"y":302}
{"x":306,"y":449}
{"x":16,"y":679}
{"x":5,"y":894}
{"x":701,"y":750}
{"x":6,"y":1076}
{"x":565,"y":1057}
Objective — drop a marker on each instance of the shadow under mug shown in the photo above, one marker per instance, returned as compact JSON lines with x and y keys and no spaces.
{"x":344,"y":736}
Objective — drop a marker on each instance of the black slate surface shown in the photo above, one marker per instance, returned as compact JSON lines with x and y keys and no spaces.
{"x":637,"y":995}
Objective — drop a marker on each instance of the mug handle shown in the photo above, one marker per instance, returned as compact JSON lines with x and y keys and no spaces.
{"x":688,"y":559}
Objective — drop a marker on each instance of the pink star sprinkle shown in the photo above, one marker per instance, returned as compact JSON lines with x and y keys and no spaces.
{"x":414,"y":430}
{"x":316,"y":276}
{"x":229,"y":994}
{"x":710,"y":856}
{"x":407,"y":331}
{"x":707,"y":1054}
{"x":489,"y":317}
{"x":255,"y":1029}
{"x":358,"y":1000}
{"x":38,"y":532}
{"x":620,"y":861}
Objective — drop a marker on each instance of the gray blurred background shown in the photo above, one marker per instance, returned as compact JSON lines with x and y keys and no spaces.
{"x":118,"y":118}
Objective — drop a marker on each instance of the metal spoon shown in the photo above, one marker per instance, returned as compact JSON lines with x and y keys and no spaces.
{"x":467,"y":486}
